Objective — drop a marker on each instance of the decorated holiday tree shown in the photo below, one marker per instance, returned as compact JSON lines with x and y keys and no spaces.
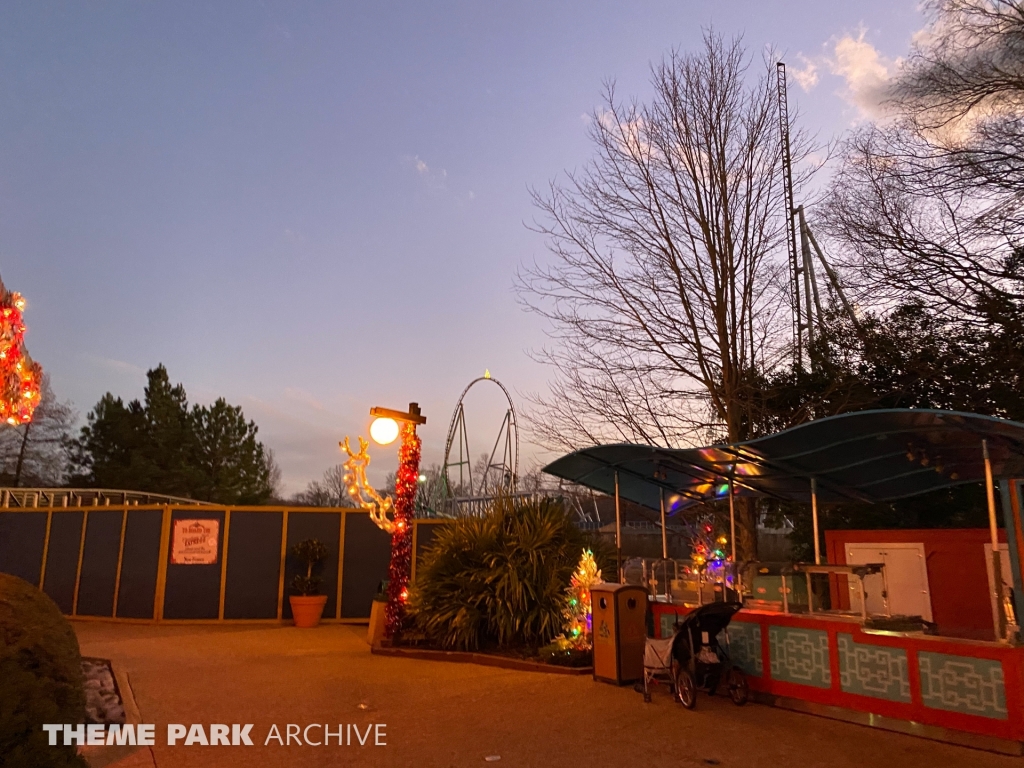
{"x":709,"y":553}
{"x":707,"y":547}
{"x":578,"y":633}
{"x":20,"y":377}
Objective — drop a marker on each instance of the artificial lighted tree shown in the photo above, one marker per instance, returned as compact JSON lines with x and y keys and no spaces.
{"x":578,"y":633}
{"x":20,"y":377}
{"x":708,"y":553}
{"x":387,"y":426}
{"x":707,"y":547}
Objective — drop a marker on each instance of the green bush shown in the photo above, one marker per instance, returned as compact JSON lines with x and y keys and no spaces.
{"x":498,"y":580}
{"x":40,"y":677}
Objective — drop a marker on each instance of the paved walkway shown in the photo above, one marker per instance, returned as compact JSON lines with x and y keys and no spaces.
{"x":442,"y":714}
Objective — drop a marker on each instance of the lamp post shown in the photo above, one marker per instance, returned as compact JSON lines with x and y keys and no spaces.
{"x":387,"y":425}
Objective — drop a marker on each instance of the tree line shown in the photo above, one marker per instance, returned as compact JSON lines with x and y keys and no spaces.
{"x":158,"y":444}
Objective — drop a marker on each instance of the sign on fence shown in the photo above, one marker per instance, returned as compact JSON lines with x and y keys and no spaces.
{"x":195,"y":542}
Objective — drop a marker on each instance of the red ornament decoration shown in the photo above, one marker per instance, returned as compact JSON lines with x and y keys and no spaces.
{"x":401,"y":537}
{"x":20,"y":377}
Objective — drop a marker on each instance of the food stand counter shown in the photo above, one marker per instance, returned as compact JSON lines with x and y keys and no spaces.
{"x":930,"y":686}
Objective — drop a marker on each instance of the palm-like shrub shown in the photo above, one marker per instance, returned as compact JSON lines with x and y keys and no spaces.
{"x":498,"y":579}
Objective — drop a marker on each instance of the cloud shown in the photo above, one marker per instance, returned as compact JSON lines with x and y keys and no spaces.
{"x":120,"y":366}
{"x":302,"y":397}
{"x":807,"y":77}
{"x":865,"y":70}
{"x":436,"y":179}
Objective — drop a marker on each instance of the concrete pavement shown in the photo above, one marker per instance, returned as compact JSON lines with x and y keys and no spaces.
{"x":442,"y":714}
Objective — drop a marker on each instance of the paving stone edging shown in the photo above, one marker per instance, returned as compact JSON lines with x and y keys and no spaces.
{"x":483,"y":659}
{"x":99,"y":757}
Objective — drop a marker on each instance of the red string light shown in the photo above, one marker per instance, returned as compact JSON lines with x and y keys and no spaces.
{"x":401,"y":539}
{"x":20,"y":377}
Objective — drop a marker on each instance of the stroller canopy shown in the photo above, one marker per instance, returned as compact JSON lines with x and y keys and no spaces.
{"x":711,"y":618}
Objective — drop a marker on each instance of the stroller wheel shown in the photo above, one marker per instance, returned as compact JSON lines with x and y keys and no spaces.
{"x":647,"y":697}
{"x":686,"y":689}
{"x":738,"y":690}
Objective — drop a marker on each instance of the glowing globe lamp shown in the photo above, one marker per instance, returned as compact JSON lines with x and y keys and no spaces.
{"x":384,"y":430}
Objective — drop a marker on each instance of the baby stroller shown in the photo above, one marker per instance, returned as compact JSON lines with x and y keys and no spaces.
{"x":659,"y":666}
{"x":692,"y":658}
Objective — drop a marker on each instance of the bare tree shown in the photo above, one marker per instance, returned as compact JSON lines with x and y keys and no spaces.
{"x":664,"y":293}
{"x":36,"y":454}
{"x":329,"y":491}
{"x":273,"y":472}
{"x":930,"y":203}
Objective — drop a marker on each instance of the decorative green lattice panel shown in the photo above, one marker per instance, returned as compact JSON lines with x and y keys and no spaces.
{"x":744,"y":646}
{"x":962,"y":684}
{"x":800,"y":656}
{"x":873,"y":670}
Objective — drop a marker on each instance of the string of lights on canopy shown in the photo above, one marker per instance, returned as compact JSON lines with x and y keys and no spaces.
{"x":866,"y":456}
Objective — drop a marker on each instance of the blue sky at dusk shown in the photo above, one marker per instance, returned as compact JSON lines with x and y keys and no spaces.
{"x":311,"y":208}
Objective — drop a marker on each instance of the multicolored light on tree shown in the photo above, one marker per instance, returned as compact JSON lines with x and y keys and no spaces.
{"x":578,"y":633}
{"x":708,"y":549}
{"x":20,"y":377}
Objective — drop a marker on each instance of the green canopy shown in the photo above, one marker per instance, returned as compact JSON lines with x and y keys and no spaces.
{"x":865,"y":456}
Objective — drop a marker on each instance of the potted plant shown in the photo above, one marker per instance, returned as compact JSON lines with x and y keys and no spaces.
{"x":307,"y":602}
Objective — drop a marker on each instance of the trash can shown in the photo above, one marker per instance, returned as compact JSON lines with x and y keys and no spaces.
{"x":620,"y":629}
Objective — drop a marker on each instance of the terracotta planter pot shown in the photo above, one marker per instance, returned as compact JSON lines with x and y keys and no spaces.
{"x":307,"y":609}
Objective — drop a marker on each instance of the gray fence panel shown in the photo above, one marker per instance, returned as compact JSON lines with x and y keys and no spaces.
{"x":140,"y":564}
{"x":425,"y":535}
{"x":99,"y":564}
{"x":367,"y":553}
{"x":22,"y":536}
{"x":254,"y":565}
{"x":62,"y":558}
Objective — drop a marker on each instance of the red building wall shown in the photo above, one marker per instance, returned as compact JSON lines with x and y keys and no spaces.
{"x":957,"y":574}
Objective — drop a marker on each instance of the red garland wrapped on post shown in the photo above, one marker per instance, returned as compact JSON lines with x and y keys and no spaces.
{"x":399,"y":570}
{"x":384,"y":430}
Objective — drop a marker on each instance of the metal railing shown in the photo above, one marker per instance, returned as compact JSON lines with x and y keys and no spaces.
{"x":85,"y":497}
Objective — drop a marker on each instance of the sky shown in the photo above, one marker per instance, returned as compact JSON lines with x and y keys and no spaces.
{"x":312,"y":208}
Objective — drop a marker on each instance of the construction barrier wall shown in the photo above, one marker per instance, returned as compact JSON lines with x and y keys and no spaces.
{"x":114,"y":562}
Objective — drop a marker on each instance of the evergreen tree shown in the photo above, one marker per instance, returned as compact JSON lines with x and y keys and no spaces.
{"x":230,"y":465}
{"x":161,"y":446}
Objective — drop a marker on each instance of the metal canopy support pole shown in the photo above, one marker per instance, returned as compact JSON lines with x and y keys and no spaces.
{"x":999,"y":620}
{"x":618,"y":530}
{"x":1010,"y":491}
{"x":732,"y":540}
{"x":732,"y":523}
{"x":814,"y":519}
{"x":664,"y":531}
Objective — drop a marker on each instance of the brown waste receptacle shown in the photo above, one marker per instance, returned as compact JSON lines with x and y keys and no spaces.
{"x":620,"y":629}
